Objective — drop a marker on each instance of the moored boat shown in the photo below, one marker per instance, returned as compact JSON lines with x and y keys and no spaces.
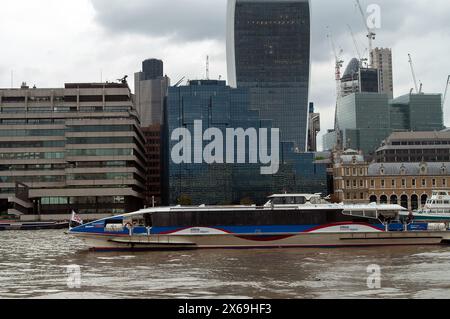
{"x":286,"y":220}
{"x":13,"y":225}
{"x":436,"y":209}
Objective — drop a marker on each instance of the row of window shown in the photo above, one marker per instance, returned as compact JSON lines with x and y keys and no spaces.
{"x":82,"y":200}
{"x":37,"y":167}
{"x":100,"y":176}
{"x":413,"y":183}
{"x":31,"y":156}
{"x":101,"y":152}
{"x":355,"y":172}
{"x":32,"y":179}
{"x":101,"y":140}
{"x":32,"y":144}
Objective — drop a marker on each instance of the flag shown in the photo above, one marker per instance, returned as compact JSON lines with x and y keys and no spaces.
{"x":75,"y":220}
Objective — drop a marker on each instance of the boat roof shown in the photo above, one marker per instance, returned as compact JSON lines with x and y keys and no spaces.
{"x":295,"y":195}
{"x":374,"y":207}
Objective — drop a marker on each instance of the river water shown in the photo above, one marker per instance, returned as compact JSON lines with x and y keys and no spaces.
{"x":35,"y":265}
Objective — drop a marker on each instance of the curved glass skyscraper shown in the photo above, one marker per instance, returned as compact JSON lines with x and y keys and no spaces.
{"x":268,"y":51}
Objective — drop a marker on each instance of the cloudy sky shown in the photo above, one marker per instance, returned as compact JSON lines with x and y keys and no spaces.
{"x":49,"y":42}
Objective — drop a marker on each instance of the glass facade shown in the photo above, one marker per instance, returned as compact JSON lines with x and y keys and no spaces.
{"x":269,"y":53}
{"x":219,"y":106}
{"x":367,"y":119}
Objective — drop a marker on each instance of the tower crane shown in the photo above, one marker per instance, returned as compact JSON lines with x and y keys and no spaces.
{"x":358,"y":52}
{"x":445,"y":92}
{"x":414,"y":75}
{"x":338,"y":65}
{"x":370,"y":34}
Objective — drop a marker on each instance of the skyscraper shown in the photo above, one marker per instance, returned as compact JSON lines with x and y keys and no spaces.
{"x":150,"y":91}
{"x":152,"y":69}
{"x":268,"y":51}
{"x":382,"y":60}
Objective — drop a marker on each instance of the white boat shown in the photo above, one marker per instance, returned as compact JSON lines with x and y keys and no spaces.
{"x":436,"y":209}
{"x":287,"y":220}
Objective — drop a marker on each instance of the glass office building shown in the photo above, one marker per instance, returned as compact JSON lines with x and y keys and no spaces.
{"x":268,"y":51}
{"x":367,"y":119}
{"x":220,"y":106}
{"x":417,"y":112}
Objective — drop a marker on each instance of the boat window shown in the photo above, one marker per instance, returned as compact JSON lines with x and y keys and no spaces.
{"x":113,"y":221}
{"x":148,"y":220}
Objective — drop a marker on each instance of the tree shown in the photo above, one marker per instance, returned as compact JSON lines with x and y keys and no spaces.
{"x":185,"y":200}
{"x":247,"y":201}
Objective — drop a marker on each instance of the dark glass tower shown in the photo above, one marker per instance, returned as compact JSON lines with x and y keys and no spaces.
{"x":152,"y":69}
{"x":269,"y":52}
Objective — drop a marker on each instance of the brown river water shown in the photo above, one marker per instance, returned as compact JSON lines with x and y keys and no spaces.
{"x":35,"y":265}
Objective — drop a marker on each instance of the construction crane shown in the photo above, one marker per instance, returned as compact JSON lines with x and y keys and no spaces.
{"x":414,"y":75}
{"x":445,"y":92}
{"x":370,"y":34}
{"x":179,"y":82}
{"x":338,"y":65}
{"x":358,"y":52}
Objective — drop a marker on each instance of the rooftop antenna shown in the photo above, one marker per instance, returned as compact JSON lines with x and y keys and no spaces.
{"x":207,"y":67}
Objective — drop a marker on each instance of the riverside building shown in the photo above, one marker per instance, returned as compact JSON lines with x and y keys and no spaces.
{"x":74,"y":148}
{"x":220,"y":107}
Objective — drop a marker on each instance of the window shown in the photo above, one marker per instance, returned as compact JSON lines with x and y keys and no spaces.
{"x":383,"y":183}
{"x":403,"y":182}
{"x":414,"y":182}
{"x":372,"y":183}
{"x":424,"y":182}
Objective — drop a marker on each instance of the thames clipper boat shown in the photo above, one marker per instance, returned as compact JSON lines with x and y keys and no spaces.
{"x":284,"y":221}
{"x":436,"y":209}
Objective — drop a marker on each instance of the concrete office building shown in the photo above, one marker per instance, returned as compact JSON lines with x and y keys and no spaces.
{"x":409,"y":147}
{"x":313,"y":128}
{"x":150,"y":91}
{"x":79,"y":147}
{"x":153,"y":156}
{"x":268,"y":51}
{"x":382,"y":60}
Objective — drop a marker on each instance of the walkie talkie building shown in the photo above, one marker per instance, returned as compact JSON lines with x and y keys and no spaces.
{"x":268,"y":51}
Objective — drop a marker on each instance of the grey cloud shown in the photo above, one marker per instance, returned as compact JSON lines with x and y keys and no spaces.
{"x":195,"y":20}
{"x":183,"y":20}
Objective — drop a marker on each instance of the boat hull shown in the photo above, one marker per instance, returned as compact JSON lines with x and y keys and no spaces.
{"x":223,"y":241}
{"x":31,"y":226}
